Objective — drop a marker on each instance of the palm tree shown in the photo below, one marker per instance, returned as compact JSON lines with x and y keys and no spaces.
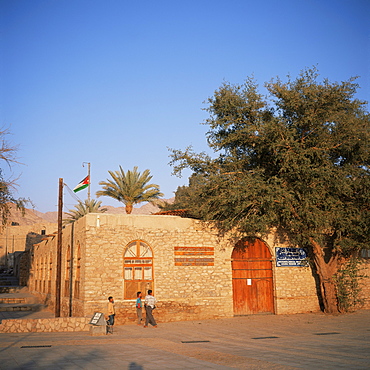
{"x":83,"y":208}
{"x":130,"y":188}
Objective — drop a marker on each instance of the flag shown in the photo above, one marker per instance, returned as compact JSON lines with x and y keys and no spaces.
{"x":82,"y":185}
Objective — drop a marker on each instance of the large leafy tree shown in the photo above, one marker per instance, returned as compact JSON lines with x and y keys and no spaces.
{"x":296,"y":162}
{"x":83,"y":208}
{"x":130,"y":188}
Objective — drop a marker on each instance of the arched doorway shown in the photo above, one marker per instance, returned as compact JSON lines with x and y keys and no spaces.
{"x":252,"y":278}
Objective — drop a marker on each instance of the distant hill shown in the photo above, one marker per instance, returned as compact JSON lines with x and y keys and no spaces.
{"x":146,"y":209}
{"x":32,"y":216}
{"x":29,"y":217}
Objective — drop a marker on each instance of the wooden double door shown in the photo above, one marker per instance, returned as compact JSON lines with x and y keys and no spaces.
{"x":253,"y":291}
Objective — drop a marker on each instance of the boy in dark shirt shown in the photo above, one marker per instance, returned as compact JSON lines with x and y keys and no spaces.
{"x":139,"y":307}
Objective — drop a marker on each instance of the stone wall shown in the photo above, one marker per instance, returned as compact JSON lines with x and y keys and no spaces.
{"x":184,"y":292}
{"x":42,"y":271}
{"x":24,"y":265}
{"x":20,"y":238}
{"x":60,"y":324}
{"x":365,"y":283}
{"x":295,"y":290}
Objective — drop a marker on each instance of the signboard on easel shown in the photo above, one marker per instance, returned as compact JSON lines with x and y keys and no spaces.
{"x":98,"y":319}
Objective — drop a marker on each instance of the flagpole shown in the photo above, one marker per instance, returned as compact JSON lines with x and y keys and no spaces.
{"x":58,"y":281}
{"x":88,"y":174}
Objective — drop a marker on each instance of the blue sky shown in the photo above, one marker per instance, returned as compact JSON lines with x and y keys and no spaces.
{"x":118,"y":83}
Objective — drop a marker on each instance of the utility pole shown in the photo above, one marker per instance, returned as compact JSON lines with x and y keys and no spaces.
{"x":71,"y":271}
{"x":88,"y":174}
{"x":58,"y":281}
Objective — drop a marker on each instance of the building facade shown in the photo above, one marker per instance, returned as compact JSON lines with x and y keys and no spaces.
{"x":15,"y":238}
{"x":193,"y":273}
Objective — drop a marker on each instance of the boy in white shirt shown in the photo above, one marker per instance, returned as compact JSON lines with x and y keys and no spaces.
{"x":149,"y":304}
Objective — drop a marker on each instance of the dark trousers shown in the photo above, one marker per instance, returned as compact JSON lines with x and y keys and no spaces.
{"x":149,"y":316}
{"x":139,"y":313}
{"x":111,"y":319}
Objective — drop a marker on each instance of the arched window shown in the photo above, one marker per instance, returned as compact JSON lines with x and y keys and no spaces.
{"x":43,"y":274}
{"x":37,"y":275}
{"x":50,"y":272}
{"x":138,"y":269}
{"x":78,"y":272}
{"x":67,"y":272}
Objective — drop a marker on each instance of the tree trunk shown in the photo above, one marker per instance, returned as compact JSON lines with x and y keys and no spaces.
{"x":326,"y":273}
{"x":129,"y":207}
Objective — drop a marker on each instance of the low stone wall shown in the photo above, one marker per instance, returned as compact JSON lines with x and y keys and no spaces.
{"x":204,"y":308}
{"x":59,"y":324}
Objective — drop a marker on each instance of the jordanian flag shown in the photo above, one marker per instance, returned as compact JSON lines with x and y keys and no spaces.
{"x":82,"y":185}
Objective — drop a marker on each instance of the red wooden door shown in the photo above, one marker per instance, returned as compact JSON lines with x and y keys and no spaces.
{"x":252,"y":278}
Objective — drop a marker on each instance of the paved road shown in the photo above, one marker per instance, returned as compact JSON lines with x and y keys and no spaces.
{"x":304,"y":341}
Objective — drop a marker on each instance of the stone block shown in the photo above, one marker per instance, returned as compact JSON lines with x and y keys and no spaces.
{"x":96,"y":330}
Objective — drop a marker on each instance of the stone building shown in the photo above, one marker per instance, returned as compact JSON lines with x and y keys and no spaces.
{"x":16,"y":238}
{"x":193,"y":273}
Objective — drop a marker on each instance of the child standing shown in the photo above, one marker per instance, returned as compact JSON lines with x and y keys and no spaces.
{"x":111,"y":314}
{"x":111,"y":311}
{"x":139,"y":307}
{"x":150,"y":302}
